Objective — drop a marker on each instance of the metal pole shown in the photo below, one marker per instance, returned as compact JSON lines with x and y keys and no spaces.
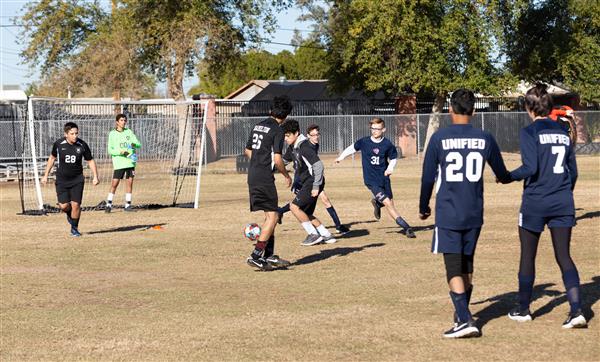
{"x":352,"y":134}
{"x":36,"y":175}
{"x":202,"y":147}
{"x":482,"y":121}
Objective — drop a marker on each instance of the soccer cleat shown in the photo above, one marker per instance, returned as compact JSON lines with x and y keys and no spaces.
{"x":575,"y":320}
{"x":128,"y":209}
{"x":75,"y":232}
{"x":520,"y":315}
{"x":259,"y":263}
{"x":108,"y":209}
{"x":376,"y":209}
{"x":276,"y":262}
{"x":329,"y":239}
{"x":312,"y":239}
{"x":463,"y":330}
{"x":342,"y":229}
{"x":409,"y":233}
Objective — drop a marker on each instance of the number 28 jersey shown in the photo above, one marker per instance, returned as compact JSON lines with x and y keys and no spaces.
{"x":549,"y":170}
{"x":265,"y":140}
{"x":69,"y":168}
{"x":455,"y":160}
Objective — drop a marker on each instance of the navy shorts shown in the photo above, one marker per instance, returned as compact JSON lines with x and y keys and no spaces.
{"x":263,"y":197}
{"x":380,"y":193}
{"x":455,"y":241}
{"x":124,"y":173}
{"x":69,"y":192}
{"x":537,"y":223}
{"x":304,"y":199}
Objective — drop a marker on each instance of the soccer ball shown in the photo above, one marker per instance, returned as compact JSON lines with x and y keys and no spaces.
{"x":252,"y":231}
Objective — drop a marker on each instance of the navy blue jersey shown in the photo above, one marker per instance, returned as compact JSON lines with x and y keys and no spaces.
{"x":549,"y":170}
{"x":456,"y":155}
{"x":265,"y":140}
{"x":375,"y":156}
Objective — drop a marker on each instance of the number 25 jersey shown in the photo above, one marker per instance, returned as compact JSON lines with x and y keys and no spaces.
{"x":265,"y":139}
{"x":456,"y":156}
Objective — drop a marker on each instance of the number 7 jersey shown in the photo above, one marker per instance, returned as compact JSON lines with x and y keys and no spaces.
{"x":454,"y":161}
{"x":549,"y":170}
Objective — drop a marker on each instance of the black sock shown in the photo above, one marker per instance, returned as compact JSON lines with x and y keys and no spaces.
{"x":469,"y":291}
{"x":270,"y":248}
{"x":400,"y":221}
{"x":334,"y":216}
{"x":284,"y":209}
{"x":75,"y":223}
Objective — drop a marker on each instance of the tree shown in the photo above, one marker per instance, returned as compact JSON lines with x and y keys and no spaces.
{"x":427,"y":46}
{"x":554,"y":41}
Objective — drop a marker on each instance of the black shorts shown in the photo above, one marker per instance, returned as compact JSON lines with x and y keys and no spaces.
{"x":382,"y":192}
{"x":263,"y":197}
{"x":124,"y":173}
{"x":67,"y":192}
{"x":304,"y":199}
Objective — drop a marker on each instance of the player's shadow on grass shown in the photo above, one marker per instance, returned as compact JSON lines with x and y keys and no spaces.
{"x":504,"y":303}
{"x":360,"y":222}
{"x":128,"y":228}
{"x":329,"y":253}
{"x":588,"y":215}
{"x":590,"y":294}
{"x":354,"y":234}
{"x":414,"y":228}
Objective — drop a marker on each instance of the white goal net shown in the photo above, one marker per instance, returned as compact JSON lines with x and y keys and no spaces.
{"x":168,"y":170}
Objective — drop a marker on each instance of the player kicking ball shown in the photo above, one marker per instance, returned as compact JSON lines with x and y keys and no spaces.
{"x":122,"y":146}
{"x":309,"y":172}
{"x":378,"y":161}
{"x":459,"y":152}
{"x":70,"y":151}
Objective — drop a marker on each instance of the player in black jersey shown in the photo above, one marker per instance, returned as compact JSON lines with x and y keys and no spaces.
{"x":264,"y":151}
{"x":69,"y":153}
{"x":309,"y":173}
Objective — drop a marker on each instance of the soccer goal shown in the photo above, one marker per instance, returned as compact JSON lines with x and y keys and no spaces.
{"x":168,"y":171}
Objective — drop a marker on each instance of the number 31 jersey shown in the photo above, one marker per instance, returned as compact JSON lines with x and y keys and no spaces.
{"x":455,"y":160}
{"x":265,"y":139}
{"x":549,"y":169}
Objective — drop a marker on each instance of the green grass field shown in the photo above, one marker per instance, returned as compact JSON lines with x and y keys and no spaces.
{"x":125,"y":291}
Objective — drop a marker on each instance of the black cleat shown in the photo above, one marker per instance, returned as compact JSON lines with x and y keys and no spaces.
{"x":376,"y":209}
{"x":575,"y":320}
{"x":520,"y":315}
{"x":276,"y":262}
{"x":409,"y":233}
{"x":342,"y":229}
{"x":463,"y":330}
{"x":259,"y":263}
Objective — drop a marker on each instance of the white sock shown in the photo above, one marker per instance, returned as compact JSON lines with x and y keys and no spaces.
{"x":109,"y":198}
{"x":128,"y":199}
{"x":308,"y":226}
{"x":323,"y":231}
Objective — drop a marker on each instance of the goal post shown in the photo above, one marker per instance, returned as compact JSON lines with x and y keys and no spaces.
{"x":160,"y":125}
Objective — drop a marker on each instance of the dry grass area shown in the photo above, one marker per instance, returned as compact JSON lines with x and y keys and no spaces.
{"x":124,"y":291}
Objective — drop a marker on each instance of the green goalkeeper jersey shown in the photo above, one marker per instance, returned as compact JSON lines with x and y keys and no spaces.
{"x":123,"y":141}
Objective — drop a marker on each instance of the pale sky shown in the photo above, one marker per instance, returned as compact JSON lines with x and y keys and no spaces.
{"x":12,"y":72}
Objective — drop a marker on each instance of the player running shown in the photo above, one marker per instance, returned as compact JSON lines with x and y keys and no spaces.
{"x":313,"y":133}
{"x":309,"y":172}
{"x":264,"y":149}
{"x":459,"y":153}
{"x":69,"y":152}
{"x":122,"y":146}
{"x":378,"y":162}
{"x":550,"y":172}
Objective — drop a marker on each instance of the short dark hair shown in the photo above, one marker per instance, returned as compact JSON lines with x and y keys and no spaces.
{"x":538,"y":101}
{"x":69,"y":126}
{"x":281,"y":107}
{"x":311,"y":128}
{"x":290,"y":126}
{"x":463,"y":102}
{"x":119,"y":116}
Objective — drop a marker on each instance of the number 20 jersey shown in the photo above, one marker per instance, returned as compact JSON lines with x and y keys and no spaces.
{"x":456,"y":157}
{"x":549,"y":169}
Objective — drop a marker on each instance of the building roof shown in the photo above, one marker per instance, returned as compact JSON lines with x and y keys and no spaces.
{"x":298,"y":90}
{"x":13,"y":95}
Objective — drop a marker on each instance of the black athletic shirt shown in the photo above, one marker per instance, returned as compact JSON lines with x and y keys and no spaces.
{"x":265,"y":140}
{"x":69,"y":168}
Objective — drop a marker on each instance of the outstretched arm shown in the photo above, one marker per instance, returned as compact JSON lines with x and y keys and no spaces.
{"x":347,"y":152}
